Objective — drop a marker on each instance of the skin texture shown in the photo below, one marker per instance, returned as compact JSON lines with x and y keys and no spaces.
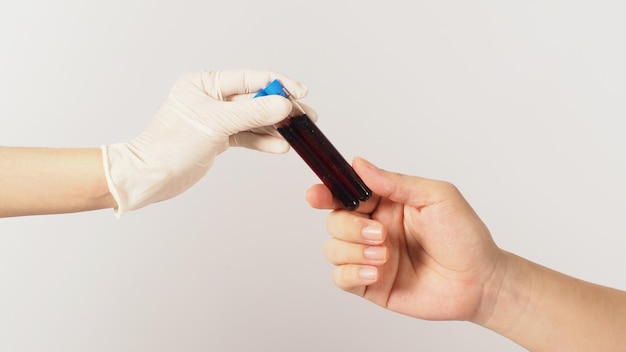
{"x":419,"y":249}
{"x":205,"y":113}
{"x":36,"y":181}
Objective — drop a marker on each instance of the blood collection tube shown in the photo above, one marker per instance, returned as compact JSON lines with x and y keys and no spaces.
{"x":318,"y":152}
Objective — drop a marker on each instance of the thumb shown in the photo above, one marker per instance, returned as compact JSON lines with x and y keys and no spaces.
{"x":410,"y":190}
{"x":258,"y":112}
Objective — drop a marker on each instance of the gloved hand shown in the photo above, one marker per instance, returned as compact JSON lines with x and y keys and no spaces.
{"x":204,"y":114}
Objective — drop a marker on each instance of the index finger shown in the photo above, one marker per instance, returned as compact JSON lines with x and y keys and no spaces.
{"x":226,"y":83}
{"x":355,"y":228}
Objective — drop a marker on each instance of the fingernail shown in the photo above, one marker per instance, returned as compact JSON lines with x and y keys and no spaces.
{"x":372,"y":233}
{"x":368,"y":273}
{"x":365,"y":163}
{"x":375,"y":253}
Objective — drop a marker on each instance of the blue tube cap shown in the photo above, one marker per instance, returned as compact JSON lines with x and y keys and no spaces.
{"x":274,"y":88}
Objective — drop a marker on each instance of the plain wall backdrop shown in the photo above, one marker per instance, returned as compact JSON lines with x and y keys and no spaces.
{"x":519,"y":103}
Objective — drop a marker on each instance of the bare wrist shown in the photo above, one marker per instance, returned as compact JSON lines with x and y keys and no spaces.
{"x":505,"y":295}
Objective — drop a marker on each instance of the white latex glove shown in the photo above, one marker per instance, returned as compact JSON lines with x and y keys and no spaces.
{"x":204,"y":114}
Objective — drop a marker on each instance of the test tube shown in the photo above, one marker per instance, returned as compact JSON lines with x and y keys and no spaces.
{"x":318,"y":152}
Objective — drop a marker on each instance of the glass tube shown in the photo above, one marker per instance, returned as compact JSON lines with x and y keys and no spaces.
{"x":319,"y":153}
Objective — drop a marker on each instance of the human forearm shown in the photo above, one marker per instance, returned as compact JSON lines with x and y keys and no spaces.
{"x":544,"y":310}
{"x":204,"y":114}
{"x":437,"y":261}
{"x":52,"y":180}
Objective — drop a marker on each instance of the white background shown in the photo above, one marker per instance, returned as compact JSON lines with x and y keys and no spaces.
{"x":519,"y":103}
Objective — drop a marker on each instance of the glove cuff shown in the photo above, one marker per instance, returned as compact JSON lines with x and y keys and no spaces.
{"x":136,"y":180}
{"x":122,"y":206}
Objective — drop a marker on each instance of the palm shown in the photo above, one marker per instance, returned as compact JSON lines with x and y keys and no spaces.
{"x":430,"y":274}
